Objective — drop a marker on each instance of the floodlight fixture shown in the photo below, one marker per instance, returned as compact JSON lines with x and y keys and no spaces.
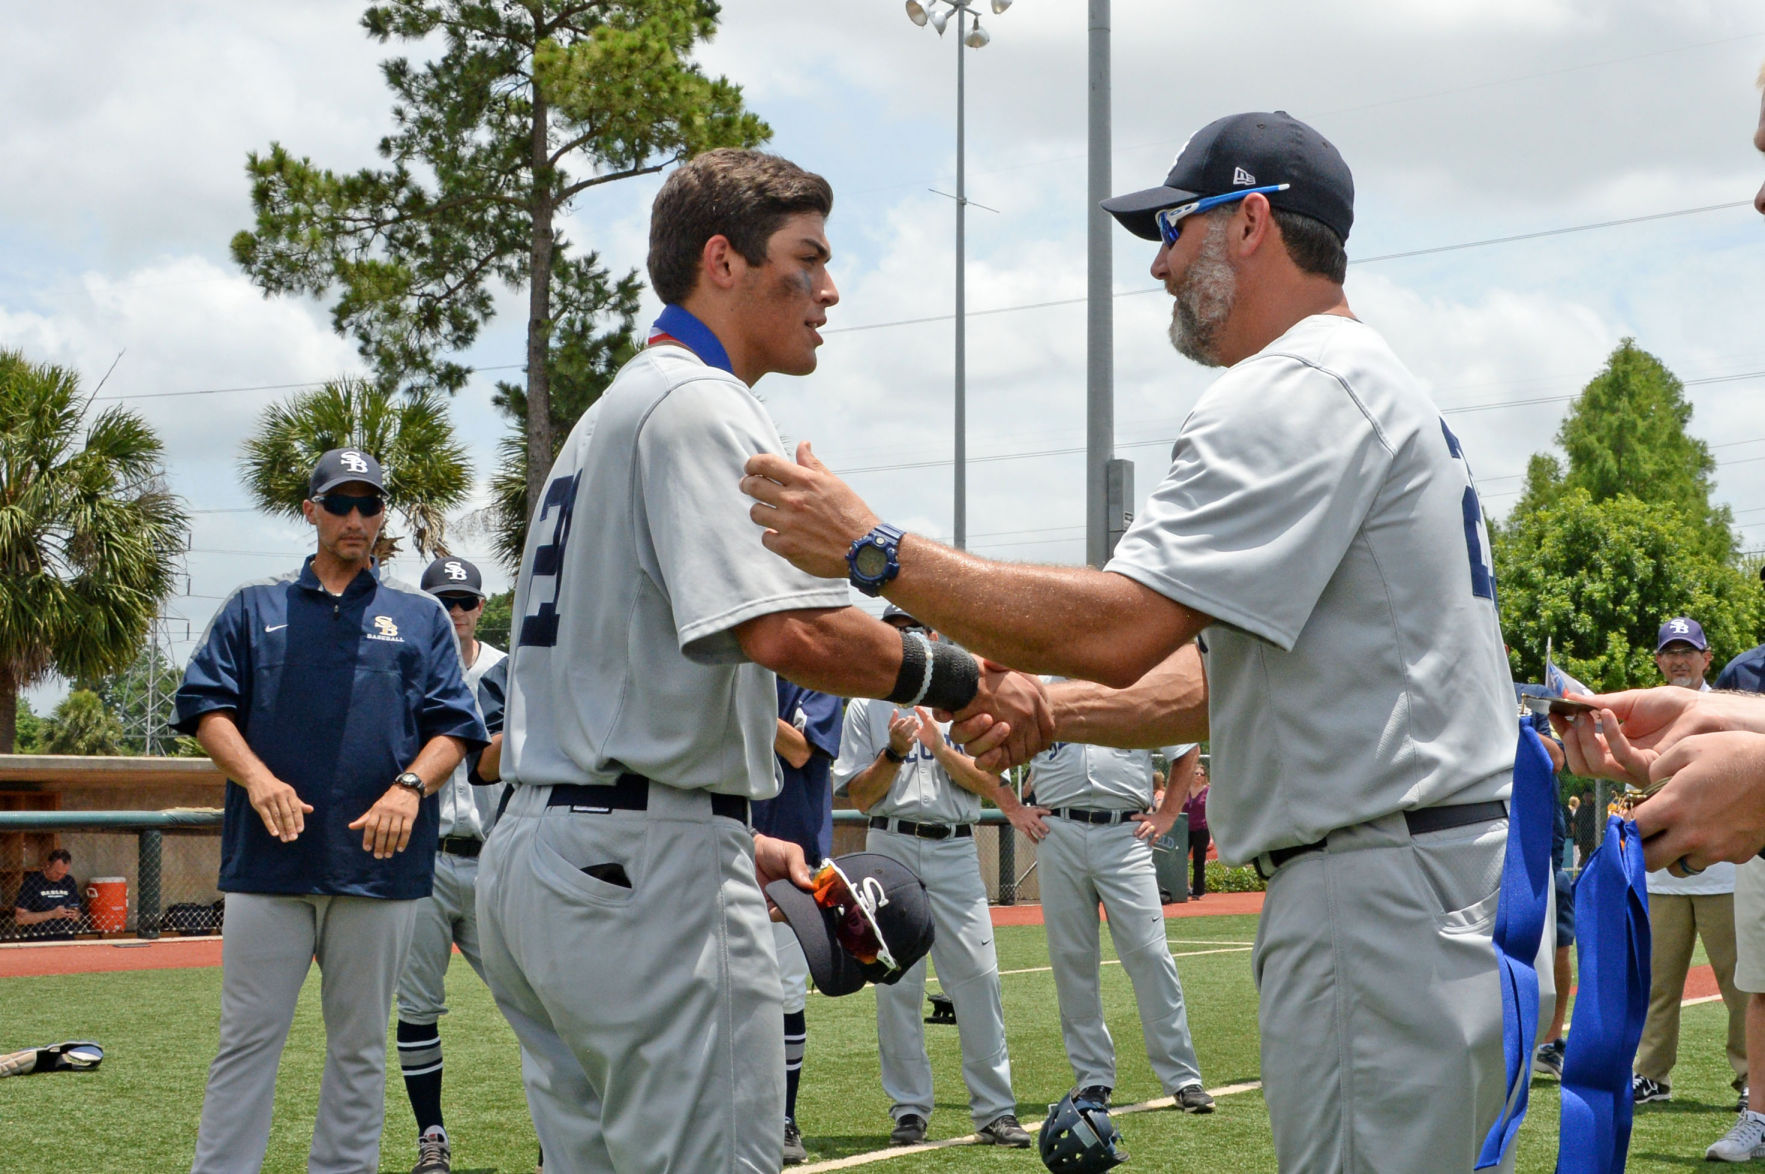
{"x":1000,"y":6}
{"x":978,"y":37}
{"x":916,"y":12}
{"x":939,"y":19}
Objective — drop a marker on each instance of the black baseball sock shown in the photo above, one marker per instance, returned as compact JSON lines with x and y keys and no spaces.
{"x":796,"y":1035}
{"x":419,"y":1058}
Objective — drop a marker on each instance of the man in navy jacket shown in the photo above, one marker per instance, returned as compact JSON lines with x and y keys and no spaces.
{"x":334,"y":701}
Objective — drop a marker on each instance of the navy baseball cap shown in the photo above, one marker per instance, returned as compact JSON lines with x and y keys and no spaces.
{"x":343,"y":465}
{"x":1682,"y":630}
{"x":1247,"y":151}
{"x":897,"y":612}
{"x":453,"y":576}
{"x":893,"y":897}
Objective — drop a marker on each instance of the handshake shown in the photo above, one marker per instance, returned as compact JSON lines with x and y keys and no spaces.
{"x":1706,"y":751}
{"x":1010,"y":719}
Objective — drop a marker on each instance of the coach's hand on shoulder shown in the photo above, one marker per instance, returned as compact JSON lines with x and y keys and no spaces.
{"x":1009,"y":721}
{"x":776,"y":859}
{"x":386,"y":826}
{"x":279,"y":806}
{"x":1713,"y":806}
{"x":811,"y":516}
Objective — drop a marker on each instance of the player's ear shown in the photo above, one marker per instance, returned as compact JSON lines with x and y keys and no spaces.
{"x":719,"y":263}
{"x":309,"y":511}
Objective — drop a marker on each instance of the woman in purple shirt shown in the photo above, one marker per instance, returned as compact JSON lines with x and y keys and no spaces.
{"x":1196,"y":809}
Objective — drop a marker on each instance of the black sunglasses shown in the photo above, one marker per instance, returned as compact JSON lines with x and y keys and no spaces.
{"x":340,"y":504}
{"x":459,"y":602}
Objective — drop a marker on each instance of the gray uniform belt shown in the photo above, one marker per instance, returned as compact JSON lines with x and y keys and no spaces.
{"x":1422,"y":821}
{"x":632,"y":793}
{"x":1093,"y":815}
{"x":925,"y":831}
{"x":468,"y":846}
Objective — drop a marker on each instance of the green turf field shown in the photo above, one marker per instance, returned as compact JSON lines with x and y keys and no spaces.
{"x":138,"y":1114}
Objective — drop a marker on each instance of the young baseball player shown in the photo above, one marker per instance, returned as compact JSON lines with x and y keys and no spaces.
{"x":333,"y":700}
{"x":449,"y":915}
{"x":923,"y":797}
{"x":1095,"y":845}
{"x":625,"y":935}
{"x":1319,"y":533}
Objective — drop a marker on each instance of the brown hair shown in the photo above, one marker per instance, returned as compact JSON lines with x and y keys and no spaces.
{"x":733,"y":193}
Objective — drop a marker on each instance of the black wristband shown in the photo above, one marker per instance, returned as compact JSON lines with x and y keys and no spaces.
{"x":889,"y":753}
{"x":910,"y":681}
{"x":956,"y":678}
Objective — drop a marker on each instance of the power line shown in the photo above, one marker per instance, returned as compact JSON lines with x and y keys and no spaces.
{"x":258,"y":387}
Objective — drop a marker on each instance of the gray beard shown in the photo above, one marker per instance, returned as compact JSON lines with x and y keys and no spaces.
{"x":1204,"y":300}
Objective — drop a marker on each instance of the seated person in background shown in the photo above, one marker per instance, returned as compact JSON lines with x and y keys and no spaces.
{"x":48,"y":904}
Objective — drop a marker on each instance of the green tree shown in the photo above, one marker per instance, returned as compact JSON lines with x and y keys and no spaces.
{"x":82,"y":725}
{"x":1599,"y":577}
{"x":530,"y":103}
{"x":90,"y":537}
{"x":494,"y":624}
{"x":28,"y":729}
{"x":426,"y":468}
{"x":139,"y":696}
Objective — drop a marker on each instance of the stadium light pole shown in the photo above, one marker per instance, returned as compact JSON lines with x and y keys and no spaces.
{"x":937,"y":13}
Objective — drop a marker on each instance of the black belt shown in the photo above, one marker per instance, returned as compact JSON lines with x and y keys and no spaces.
{"x":1421,"y":821}
{"x":1093,"y":815}
{"x":467,"y":846}
{"x":925,"y":831}
{"x":632,"y":793}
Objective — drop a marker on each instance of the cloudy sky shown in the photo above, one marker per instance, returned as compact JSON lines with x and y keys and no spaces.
{"x":1464,"y":122}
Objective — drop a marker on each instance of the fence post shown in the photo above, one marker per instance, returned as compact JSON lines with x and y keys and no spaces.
{"x":1007,"y":864}
{"x":147,"y":875}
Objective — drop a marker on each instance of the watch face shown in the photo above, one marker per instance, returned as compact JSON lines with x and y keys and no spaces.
{"x":871,"y":560}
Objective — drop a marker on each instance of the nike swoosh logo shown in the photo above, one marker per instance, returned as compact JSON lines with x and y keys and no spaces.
{"x":274,"y":627}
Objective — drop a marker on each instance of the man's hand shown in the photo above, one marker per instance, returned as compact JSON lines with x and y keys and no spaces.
{"x":386,"y":826}
{"x":1634,"y":728}
{"x":1028,"y":820}
{"x":1154,"y":825}
{"x":70,"y":912}
{"x":1009,"y":721}
{"x":903,"y":729}
{"x":1713,"y":806}
{"x":776,"y":859}
{"x":279,"y":806}
{"x":811,"y":517}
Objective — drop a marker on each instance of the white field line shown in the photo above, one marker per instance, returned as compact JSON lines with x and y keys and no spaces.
{"x":901,"y":1151}
{"x":1117,"y":961}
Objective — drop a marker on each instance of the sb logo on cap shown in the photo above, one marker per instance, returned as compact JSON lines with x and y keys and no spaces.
{"x":353,"y":461}
{"x":454,"y":570}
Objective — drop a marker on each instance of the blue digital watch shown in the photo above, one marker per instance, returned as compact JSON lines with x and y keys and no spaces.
{"x":875,"y":559}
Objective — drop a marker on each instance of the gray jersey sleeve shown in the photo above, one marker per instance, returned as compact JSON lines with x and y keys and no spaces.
{"x":1252,"y":520}
{"x":858,"y":749}
{"x":691,"y":457}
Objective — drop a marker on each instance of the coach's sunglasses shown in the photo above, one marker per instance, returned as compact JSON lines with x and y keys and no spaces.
{"x":341,"y":503}
{"x":855,"y":924}
{"x":459,"y":602}
{"x":1170,"y":220}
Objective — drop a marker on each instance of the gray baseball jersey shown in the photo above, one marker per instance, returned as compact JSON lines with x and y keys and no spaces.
{"x":641,"y":563}
{"x":467,"y":810}
{"x":1103,"y":778}
{"x":922,"y":792}
{"x":1319,"y":509}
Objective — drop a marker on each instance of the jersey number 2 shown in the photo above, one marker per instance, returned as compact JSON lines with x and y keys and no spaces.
{"x":540,"y":626}
{"x":1482,"y":575}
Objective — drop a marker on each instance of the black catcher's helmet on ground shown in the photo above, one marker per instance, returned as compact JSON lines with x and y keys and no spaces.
{"x":1079,"y":1138}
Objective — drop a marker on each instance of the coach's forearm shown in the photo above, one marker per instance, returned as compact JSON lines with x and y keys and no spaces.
{"x":218,"y":733}
{"x":1066,"y":621}
{"x":1167,"y":705}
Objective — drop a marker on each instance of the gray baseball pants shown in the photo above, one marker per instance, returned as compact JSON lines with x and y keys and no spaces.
{"x":1380,"y":1003}
{"x":268,"y":943}
{"x":648,"y":1012}
{"x":1082,"y":864}
{"x":448,"y":915}
{"x":968,"y":971}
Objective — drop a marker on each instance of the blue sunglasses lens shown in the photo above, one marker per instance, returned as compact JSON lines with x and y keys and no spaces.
{"x":341,"y":503}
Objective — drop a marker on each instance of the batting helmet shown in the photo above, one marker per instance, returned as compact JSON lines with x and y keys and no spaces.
{"x":1079,"y":1138}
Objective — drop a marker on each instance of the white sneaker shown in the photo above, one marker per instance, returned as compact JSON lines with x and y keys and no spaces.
{"x":1743,"y":1143}
{"x":434,"y":1155}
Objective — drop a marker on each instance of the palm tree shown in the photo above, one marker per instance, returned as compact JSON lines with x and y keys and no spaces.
{"x":90,"y":537}
{"x":411,"y":436}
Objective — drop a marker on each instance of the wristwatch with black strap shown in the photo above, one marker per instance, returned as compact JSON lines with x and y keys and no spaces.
{"x":410,"y":780}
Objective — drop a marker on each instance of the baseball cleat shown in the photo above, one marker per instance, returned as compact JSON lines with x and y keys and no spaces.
{"x":1548,"y":1059}
{"x":794,"y":1151}
{"x":1192,"y":1098}
{"x":909,"y":1130}
{"x":1644,"y":1091}
{"x":1098,"y":1093}
{"x":1004,"y":1130}
{"x":434,"y":1156}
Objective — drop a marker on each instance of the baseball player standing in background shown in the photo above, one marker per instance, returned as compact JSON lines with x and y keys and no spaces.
{"x":1319,"y":531}
{"x":332,"y":699}
{"x":448,"y":916}
{"x":625,"y":935}
{"x":923,"y":797}
{"x":1096,"y":845}
{"x":806,"y":744}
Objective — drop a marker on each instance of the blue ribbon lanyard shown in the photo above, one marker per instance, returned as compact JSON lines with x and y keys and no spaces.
{"x":1612,"y":950}
{"x":678,"y":323}
{"x":1526,"y":880}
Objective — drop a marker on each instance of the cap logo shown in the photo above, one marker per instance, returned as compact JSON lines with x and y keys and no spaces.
{"x":1680,"y":627}
{"x":353,"y":461}
{"x":454,"y":570}
{"x":869,"y":893}
{"x":1241,"y":177}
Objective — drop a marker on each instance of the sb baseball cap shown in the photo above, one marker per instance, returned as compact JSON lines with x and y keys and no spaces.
{"x":1249,"y":151}
{"x":453,"y":576}
{"x":866,"y":920}
{"x":895,"y":612}
{"x":1682,"y":630}
{"x":341,"y":466}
